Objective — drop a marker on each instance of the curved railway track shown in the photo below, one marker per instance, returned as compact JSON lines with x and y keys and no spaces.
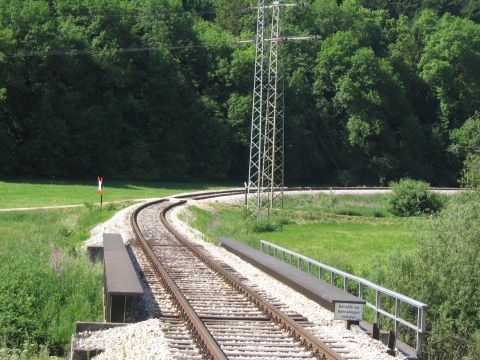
{"x":210,"y":310}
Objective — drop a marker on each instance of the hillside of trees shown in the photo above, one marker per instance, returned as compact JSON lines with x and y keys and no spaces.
{"x":157,"y":89}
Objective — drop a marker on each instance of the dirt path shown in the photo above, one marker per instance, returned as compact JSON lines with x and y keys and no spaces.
{"x":54,"y":207}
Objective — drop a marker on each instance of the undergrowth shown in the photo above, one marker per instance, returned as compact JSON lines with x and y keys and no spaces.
{"x":26,"y":352}
{"x":46,"y":282}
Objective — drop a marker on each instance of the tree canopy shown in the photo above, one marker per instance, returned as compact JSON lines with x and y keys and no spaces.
{"x":158,"y":89}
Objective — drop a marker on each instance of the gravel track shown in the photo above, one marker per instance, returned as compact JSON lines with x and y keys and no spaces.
{"x":135,"y":341}
{"x":239,"y":326}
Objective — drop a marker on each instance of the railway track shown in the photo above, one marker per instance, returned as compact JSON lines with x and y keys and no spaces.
{"x":208,"y":310}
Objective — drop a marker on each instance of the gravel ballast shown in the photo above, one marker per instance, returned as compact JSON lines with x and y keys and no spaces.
{"x":146,"y":340}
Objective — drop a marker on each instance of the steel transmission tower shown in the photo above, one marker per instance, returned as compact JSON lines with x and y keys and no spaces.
{"x":266,"y":170}
{"x":254,"y":186}
{"x":266,"y":166}
{"x":273,"y":154}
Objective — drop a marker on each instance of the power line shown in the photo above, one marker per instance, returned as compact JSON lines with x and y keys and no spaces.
{"x":275,"y":5}
{"x":132,"y":13}
{"x":283,"y":38}
{"x":74,"y":52}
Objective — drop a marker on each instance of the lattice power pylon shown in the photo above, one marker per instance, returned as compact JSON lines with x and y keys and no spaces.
{"x":266,"y":167}
{"x":254,"y":186}
{"x":272,"y":179}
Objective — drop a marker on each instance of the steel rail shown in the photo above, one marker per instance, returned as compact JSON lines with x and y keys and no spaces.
{"x":238,"y":191}
{"x":200,"y":332}
{"x":209,"y":194}
{"x":320,"y":349}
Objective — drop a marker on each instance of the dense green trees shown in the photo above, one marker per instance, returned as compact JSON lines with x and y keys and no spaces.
{"x":466,"y":8}
{"x":120,"y":87}
{"x":157,"y":89}
{"x":466,"y":143}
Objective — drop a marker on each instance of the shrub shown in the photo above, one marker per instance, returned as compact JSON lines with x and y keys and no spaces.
{"x":471,"y":172}
{"x":275,"y":224}
{"x":443,"y":272}
{"x":412,"y":198}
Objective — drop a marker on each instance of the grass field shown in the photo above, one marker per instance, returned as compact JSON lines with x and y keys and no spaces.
{"x":355,"y":233}
{"x":46,"y":282}
{"x":14,"y":194}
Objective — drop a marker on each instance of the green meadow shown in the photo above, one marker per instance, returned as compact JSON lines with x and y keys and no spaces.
{"x":31,"y":193}
{"x":46,"y":280}
{"x":355,"y":233}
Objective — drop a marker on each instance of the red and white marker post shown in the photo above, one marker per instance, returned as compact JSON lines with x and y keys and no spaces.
{"x":100,"y":190}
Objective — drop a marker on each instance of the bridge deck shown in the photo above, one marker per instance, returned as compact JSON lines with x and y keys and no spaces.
{"x":319,"y":291}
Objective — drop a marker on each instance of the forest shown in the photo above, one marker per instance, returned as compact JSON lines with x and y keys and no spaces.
{"x":161,"y":89}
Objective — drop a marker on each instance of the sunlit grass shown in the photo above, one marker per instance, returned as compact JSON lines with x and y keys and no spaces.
{"x":14,"y":194}
{"x":331,"y":203}
{"x":46,"y":282}
{"x":355,"y":233}
{"x":350,"y":246}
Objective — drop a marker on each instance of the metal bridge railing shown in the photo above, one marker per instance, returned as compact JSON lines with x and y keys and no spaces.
{"x":363,"y":284}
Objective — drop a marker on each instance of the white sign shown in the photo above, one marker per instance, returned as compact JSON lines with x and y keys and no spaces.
{"x":100,"y":181}
{"x":348,"y":311}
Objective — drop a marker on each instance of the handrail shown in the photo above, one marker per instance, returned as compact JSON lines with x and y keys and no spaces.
{"x":419,"y":328}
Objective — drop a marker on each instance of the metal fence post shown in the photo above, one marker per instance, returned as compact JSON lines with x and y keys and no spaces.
{"x":420,"y":329}
{"x":397,"y":316}
{"x":377,"y":306}
{"x":361,"y":295}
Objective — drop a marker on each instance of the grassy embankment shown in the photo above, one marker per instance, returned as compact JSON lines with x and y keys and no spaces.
{"x":46,"y":282}
{"x":355,"y":233}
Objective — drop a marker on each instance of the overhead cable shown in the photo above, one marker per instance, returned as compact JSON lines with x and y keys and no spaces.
{"x":73,"y":52}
